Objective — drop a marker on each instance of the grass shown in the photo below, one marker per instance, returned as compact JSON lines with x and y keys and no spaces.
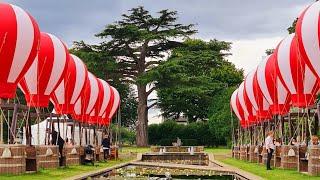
{"x":261,"y":171}
{"x":134,"y":149}
{"x":63,"y":173}
{"x":218,"y":150}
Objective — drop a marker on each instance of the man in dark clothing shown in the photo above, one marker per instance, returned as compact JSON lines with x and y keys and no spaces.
{"x":106,"y":147}
{"x":59,"y":142}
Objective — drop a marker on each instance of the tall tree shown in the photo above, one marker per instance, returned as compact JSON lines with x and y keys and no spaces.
{"x":194,"y":73}
{"x":139,"y":42}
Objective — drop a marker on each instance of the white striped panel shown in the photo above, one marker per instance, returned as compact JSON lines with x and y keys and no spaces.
{"x":31,"y":77}
{"x":266,"y":105}
{"x":309,"y":80}
{"x":104,"y":115}
{"x":281,"y":92}
{"x":234,"y":104}
{"x":94,"y":92}
{"x":116,"y":102}
{"x":59,"y":64}
{"x":254,"y":112}
{"x":25,"y":39}
{"x":309,"y":35}
{"x":283,"y":59}
{"x":241,"y":99}
{"x":106,"y":98}
{"x":249,"y":89}
{"x":80,"y":78}
{"x":261,"y":77}
{"x":60,"y":93}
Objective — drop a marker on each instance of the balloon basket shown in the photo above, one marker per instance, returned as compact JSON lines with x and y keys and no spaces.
{"x":47,"y":156}
{"x":72,"y":155}
{"x":289,"y":157}
{"x":303,"y":159}
{"x":12,"y":159}
{"x":277,"y":156}
{"x":243,"y":153}
{"x":314,"y":161}
{"x":99,"y":153}
{"x":252,"y":154}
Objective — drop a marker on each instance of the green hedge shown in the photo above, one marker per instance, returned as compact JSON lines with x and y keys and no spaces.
{"x":191,"y":135}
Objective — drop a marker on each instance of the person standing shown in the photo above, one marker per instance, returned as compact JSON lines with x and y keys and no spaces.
{"x":105,"y":146}
{"x":269,"y":147}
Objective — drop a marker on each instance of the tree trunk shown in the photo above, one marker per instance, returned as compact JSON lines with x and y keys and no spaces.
{"x":142,"y":123}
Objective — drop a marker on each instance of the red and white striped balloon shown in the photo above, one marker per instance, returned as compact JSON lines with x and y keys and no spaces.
{"x":272,"y":87}
{"x":237,"y":109}
{"x":308,"y":35}
{"x":105,"y":117}
{"x":249,"y":112}
{"x":71,"y":87}
{"x":85,"y":104}
{"x":19,"y":40}
{"x":295,"y":74}
{"x":106,"y":99}
{"x":256,"y":97}
{"x":46,"y":72}
{"x":116,"y":103}
{"x":93,"y":116}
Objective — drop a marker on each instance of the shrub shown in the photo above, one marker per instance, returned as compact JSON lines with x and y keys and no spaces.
{"x":197,"y":133}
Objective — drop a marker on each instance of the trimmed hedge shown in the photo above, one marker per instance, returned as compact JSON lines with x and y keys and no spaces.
{"x":192,"y":134}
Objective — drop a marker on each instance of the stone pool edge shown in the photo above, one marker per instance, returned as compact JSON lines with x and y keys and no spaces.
{"x":221,"y":169}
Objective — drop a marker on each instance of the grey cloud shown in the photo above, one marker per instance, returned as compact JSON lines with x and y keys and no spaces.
{"x":223,"y":19}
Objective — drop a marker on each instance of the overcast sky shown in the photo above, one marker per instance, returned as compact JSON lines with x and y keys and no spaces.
{"x":251,"y":25}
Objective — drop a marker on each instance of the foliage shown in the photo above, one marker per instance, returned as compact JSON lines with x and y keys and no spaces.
{"x":292,"y":28}
{"x":269,"y":51}
{"x":221,"y":123}
{"x":127,"y":136}
{"x":191,"y":76}
{"x":134,"y":39}
{"x":196,"y":133}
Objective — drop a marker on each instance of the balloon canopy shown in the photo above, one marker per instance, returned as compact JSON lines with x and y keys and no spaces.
{"x":116,"y":103}
{"x":272,"y":88}
{"x":19,"y":35}
{"x":249,"y":112}
{"x":256,"y":97}
{"x":46,"y":72}
{"x":295,"y":74}
{"x":236,"y":107}
{"x":307,"y":30}
{"x":85,"y":104}
{"x":71,"y":87}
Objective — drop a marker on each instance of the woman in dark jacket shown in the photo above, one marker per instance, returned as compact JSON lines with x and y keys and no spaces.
{"x":105,"y":146}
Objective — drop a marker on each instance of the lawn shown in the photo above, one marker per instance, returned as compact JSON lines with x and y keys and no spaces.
{"x":261,"y":171}
{"x":134,"y":149}
{"x":218,"y":150}
{"x":63,"y":173}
